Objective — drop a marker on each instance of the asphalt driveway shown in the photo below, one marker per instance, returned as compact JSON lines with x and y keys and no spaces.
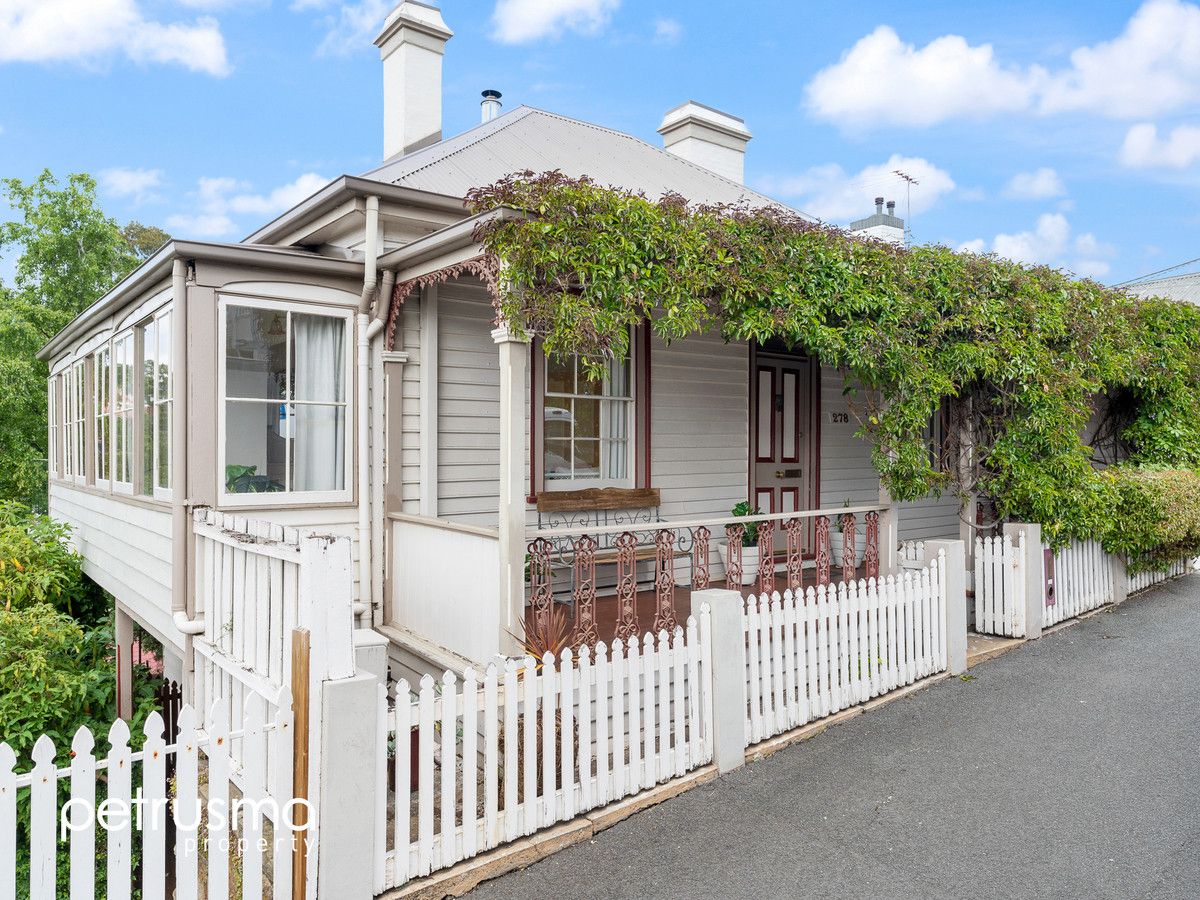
{"x":1069,"y":767}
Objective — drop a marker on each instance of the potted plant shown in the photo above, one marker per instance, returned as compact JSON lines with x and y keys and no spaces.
{"x":749,"y":544}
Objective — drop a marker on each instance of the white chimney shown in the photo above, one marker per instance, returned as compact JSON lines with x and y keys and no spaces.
{"x":489,"y":107}
{"x":708,"y":137}
{"x":411,"y":45}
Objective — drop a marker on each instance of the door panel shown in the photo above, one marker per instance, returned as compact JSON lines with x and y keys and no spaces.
{"x":783,"y":408}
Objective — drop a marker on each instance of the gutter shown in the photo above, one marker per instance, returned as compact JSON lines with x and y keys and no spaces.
{"x":430,"y":253}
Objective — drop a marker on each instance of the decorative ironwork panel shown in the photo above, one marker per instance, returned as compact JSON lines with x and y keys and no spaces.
{"x":733,"y":568}
{"x":766,"y":557}
{"x":795,"y":555}
{"x":700,"y":540}
{"x":627,"y":620}
{"x":664,"y":581}
{"x":541,"y":584}
{"x":849,"y":537}
{"x":585,"y":593}
{"x":871,"y":554}
{"x":822,"y":549}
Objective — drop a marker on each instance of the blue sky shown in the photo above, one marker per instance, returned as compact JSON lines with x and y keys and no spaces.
{"x":1064,"y":133}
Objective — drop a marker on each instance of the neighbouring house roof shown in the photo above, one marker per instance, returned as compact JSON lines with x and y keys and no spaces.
{"x":529,"y":138}
{"x":1177,"y":287}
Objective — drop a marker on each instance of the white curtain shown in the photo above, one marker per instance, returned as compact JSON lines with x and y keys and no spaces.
{"x":319,"y":373}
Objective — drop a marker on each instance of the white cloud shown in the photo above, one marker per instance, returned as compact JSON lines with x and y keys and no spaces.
{"x":832,"y":194}
{"x":218,"y":200}
{"x":1039,"y":184}
{"x":667,"y":31}
{"x":1050,"y":242}
{"x":352,"y":27}
{"x":1144,"y":149}
{"x":136,"y":183}
{"x":94,"y":30}
{"x":520,"y":21}
{"x":882,"y":80}
{"x":1153,"y":66}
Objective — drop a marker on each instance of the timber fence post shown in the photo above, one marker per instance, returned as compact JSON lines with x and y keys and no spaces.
{"x":727,"y":669}
{"x":1035,"y":575}
{"x":955,"y":586}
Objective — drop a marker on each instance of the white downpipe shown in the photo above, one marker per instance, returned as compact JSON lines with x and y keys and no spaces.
{"x":362,"y":325}
{"x":180,"y":523}
{"x":186,"y":625}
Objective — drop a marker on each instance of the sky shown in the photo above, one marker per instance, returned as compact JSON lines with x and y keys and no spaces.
{"x":1051,"y":132}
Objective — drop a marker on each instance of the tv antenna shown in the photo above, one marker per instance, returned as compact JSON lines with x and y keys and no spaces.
{"x":909,"y":181}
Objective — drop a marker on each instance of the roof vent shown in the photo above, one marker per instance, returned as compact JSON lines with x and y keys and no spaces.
{"x":707,"y":137}
{"x":490,"y":106}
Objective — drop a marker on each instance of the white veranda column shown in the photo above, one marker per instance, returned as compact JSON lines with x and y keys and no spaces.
{"x":514,"y":362}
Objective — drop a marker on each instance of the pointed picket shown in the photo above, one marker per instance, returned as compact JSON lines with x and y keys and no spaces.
{"x":512,"y":823}
{"x":491,"y":757}
{"x":254,"y":792}
{"x":470,"y":764}
{"x":219,"y":765}
{"x":679,"y":753}
{"x":8,"y":823}
{"x":565,"y":810}
{"x":633,"y":668}
{"x":118,"y":834}
{"x":617,"y":731}
{"x":449,"y":770}
{"x":530,"y":807}
{"x":187,"y":807}
{"x":153,"y":812}
{"x":603,"y":685}
{"x":584,"y":718}
{"x":425,"y":752}
{"x":280,"y":750}
{"x":43,"y":808}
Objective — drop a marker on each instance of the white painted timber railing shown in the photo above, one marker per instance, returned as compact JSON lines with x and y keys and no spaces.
{"x":255,"y":583}
{"x":1139,"y":581}
{"x":840,"y":645}
{"x":102,"y":848}
{"x":1000,"y":584}
{"x":911,"y":554}
{"x":1083,"y":581}
{"x":528,"y":745}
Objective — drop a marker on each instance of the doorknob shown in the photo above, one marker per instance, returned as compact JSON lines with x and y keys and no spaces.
{"x":787,"y":473}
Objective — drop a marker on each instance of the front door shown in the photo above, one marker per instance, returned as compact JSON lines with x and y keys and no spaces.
{"x":784,"y":432}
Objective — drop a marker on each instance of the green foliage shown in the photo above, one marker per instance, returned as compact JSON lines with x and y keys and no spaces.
{"x":750,"y":535}
{"x":38,"y":565}
{"x":1159,"y":511}
{"x":1023,"y":350}
{"x":68,"y":254}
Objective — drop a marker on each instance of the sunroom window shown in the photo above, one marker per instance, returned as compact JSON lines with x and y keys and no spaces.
{"x":285,"y":412}
{"x":122,"y":406}
{"x":156,"y":405}
{"x":75,"y":421}
{"x":101,"y":413}
{"x":587,"y":425}
{"x":52,"y":418}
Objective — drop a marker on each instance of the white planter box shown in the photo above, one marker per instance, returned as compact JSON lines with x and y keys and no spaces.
{"x":749,"y":562}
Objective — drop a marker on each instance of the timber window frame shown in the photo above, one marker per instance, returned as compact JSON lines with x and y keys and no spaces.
{"x":155,"y":402}
{"x":52,"y":431}
{"x":102,"y":421}
{"x":124,"y":412}
{"x":289,"y":421}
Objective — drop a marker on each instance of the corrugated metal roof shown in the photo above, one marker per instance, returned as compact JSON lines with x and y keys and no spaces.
{"x":528,"y":138}
{"x":1177,"y":287}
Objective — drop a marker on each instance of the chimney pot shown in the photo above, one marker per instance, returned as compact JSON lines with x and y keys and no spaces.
{"x":879,"y":206}
{"x":490,"y":106}
{"x":891,"y":207}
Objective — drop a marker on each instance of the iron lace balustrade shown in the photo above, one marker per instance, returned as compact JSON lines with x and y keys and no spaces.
{"x":679,"y":554}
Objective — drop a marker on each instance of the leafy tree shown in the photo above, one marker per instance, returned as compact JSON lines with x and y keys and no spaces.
{"x":37,"y":565}
{"x":68,"y":253}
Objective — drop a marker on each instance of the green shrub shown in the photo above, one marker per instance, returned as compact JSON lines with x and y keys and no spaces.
{"x":38,"y":565}
{"x":1156,"y":517}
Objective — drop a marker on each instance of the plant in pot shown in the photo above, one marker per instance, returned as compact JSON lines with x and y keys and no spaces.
{"x":749,"y":543}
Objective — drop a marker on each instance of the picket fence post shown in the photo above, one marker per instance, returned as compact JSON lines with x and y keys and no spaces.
{"x":1120,"y":578}
{"x":954,"y":586}
{"x":1035,"y":575}
{"x":727,"y":671}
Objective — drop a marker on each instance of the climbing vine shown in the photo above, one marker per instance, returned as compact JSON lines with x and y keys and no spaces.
{"x":1020,"y":353}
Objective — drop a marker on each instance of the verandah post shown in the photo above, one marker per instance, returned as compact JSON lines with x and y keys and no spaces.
{"x":514,"y":362}
{"x":727,"y":669}
{"x":955,"y":586}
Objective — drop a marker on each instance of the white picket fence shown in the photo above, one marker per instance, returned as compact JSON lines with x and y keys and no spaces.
{"x":1000,"y":579}
{"x":1083,"y":581}
{"x":206,"y":777}
{"x":840,"y":645}
{"x":1141,"y":580}
{"x":912,"y":554}
{"x":526,"y":747}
